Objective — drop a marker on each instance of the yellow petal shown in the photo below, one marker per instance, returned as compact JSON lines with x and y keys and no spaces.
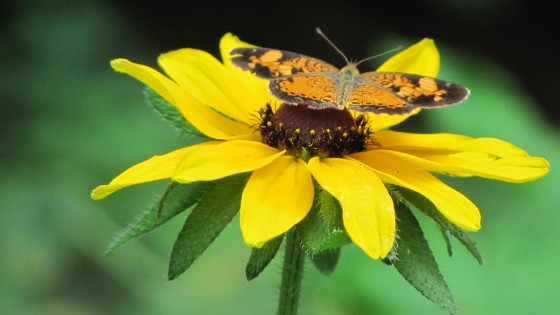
{"x":155,"y":168}
{"x":161,"y":84}
{"x":224,"y":159}
{"x":202,"y":117}
{"x":276,"y":198}
{"x":368,"y":213}
{"x":421,"y":58}
{"x":515,"y":169}
{"x":255,"y":87}
{"x":445,"y":143}
{"x":391,"y":168}
{"x":465,"y":156}
{"x":229,"y":42}
{"x":204,"y":77}
{"x":379,"y":122}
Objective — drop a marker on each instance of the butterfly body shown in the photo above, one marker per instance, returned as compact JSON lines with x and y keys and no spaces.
{"x":299,"y":79}
{"x":345,"y":81}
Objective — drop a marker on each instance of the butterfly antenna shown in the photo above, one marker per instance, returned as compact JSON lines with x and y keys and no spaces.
{"x":379,"y":55}
{"x":332,"y":45}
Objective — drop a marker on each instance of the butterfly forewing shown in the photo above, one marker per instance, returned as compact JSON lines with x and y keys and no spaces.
{"x":273,"y":63}
{"x":418,"y":91}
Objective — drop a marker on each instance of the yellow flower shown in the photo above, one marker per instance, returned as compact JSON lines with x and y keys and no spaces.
{"x":221,"y":101}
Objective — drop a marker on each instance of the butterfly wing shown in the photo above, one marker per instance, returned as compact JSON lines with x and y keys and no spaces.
{"x":313,"y":90}
{"x":367,"y":97}
{"x":269,"y":63}
{"x":407,"y":91}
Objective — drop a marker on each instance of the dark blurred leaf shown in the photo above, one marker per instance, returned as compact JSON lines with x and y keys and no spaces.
{"x":173,"y":116}
{"x":416,"y":263}
{"x":322,"y":228}
{"x":426,"y":206}
{"x":326,"y":260}
{"x":217,"y":206}
{"x":447,"y":242}
{"x":176,"y":199}
{"x":261,"y":257}
{"x":392,"y":256}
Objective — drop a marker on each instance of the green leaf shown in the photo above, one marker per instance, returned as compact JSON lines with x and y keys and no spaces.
{"x":173,"y":116}
{"x":218,"y":204}
{"x":326,"y":260}
{"x":416,"y":263}
{"x":261,"y":257}
{"x":176,"y":199}
{"x":322,"y":228}
{"x":425,"y":205}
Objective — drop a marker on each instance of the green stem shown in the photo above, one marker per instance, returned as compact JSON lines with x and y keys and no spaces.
{"x":292,"y":273}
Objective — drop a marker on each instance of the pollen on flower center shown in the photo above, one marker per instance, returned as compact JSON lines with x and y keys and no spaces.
{"x":307,"y":132}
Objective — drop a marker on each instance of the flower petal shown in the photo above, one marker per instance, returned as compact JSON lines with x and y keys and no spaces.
{"x":229,"y":42}
{"x":202,"y":117}
{"x":210,"y":82}
{"x":513,"y":169}
{"x":421,"y":58}
{"x":445,"y":143}
{"x":379,"y":122}
{"x":277,"y":197}
{"x":391,"y":168}
{"x":155,"y":168}
{"x":464,"y":156}
{"x":368,"y":212}
{"x":255,"y":87}
{"x":224,"y":159}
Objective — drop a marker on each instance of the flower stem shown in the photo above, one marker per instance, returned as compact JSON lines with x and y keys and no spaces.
{"x":292,"y":273}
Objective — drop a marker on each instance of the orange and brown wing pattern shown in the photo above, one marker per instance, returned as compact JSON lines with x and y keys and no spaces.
{"x":314,"y":90}
{"x":369,"y":98}
{"x":419,"y":91}
{"x":273,"y":63}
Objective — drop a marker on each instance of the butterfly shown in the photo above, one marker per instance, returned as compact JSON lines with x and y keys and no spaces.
{"x":298,"y":79}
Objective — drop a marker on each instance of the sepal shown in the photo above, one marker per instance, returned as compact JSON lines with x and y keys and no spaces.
{"x":322,"y":229}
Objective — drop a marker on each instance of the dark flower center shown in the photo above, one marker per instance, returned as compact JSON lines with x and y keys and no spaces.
{"x":307,"y":132}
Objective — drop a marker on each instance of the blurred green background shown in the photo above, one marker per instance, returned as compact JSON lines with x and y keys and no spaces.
{"x":69,"y":123}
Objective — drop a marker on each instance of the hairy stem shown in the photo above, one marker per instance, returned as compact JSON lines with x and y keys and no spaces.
{"x":292,"y":273}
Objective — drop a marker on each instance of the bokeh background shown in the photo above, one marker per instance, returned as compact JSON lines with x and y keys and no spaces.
{"x":69,"y":123}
